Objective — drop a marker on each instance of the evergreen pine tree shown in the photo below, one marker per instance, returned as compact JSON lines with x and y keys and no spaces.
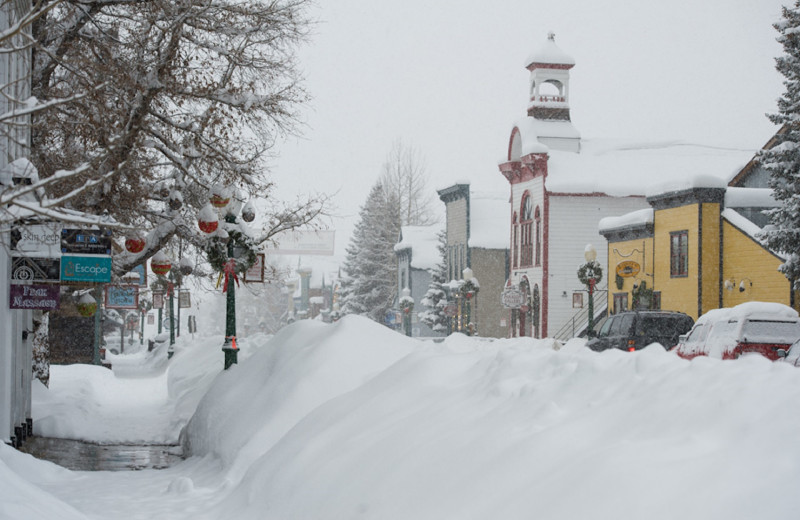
{"x":783,"y":160}
{"x":370,"y":285}
{"x":434,"y":300}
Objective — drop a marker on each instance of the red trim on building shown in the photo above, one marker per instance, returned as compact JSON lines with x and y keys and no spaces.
{"x":546,"y":259}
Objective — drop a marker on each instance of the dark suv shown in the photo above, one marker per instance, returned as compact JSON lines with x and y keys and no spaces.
{"x":634,"y":330}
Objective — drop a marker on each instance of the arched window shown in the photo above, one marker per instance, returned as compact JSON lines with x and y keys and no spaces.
{"x":537,"y":216}
{"x":526,"y":232}
{"x":514,"y":241}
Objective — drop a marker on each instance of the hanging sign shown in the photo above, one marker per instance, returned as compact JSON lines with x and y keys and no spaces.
{"x":86,"y":241}
{"x":94,"y":268}
{"x":158,"y":299}
{"x":184,"y":300}
{"x":151,"y":319}
{"x":122,"y":296}
{"x":44,"y":240}
{"x":628,"y":268}
{"x":256,"y":272}
{"x":511,"y":298}
{"x":29,"y":269}
{"x":43,"y":297}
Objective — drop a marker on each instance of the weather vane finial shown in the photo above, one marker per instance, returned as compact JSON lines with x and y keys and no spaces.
{"x":551,"y":36}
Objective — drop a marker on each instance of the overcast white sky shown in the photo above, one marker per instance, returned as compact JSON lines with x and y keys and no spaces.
{"x":448,"y":77}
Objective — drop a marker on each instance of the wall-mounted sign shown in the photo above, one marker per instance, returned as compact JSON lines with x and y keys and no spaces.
{"x":628,"y":268}
{"x":511,"y":298}
{"x":94,"y":268}
{"x":122,"y":296}
{"x":86,"y":241}
{"x":44,"y":297}
{"x":31,"y":269}
{"x":43,"y":239}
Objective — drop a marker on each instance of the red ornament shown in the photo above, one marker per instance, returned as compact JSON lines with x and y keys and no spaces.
{"x":134,"y":244}
{"x":208,"y":226}
{"x":160,"y":268}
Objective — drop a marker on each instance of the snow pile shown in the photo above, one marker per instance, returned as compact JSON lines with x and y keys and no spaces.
{"x":351,"y":420}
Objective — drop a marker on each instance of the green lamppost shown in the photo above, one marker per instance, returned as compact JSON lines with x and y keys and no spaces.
{"x":229,"y":253}
{"x":590,"y":274}
{"x":469,"y":290}
{"x":407,"y":306}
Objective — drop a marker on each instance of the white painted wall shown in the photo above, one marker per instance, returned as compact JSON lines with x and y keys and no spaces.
{"x":573,"y":224}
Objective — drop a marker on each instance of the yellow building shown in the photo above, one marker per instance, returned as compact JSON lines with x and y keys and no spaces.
{"x":696,"y":249}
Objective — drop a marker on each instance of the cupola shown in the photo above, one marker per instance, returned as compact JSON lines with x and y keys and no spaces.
{"x":549,"y":82}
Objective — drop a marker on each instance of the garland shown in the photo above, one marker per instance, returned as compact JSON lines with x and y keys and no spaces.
{"x":589,"y":271}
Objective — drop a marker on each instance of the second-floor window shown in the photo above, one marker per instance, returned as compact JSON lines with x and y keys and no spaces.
{"x":679,"y":253}
{"x":526,"y":233}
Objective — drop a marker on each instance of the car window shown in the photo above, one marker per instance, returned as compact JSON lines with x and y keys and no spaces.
{"x":622,"y":325}
{"x":606,"y":328}
{"x":770,"y":331}
{"x":660,"y":325}
{"x":698,"y":334}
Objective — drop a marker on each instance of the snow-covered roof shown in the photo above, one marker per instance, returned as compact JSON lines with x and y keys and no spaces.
{"x":550,"y":53}
{"x":624,"y":168}
{"x":423,"y":242}
{"x":532,"y":129}
{"x":489,"y":219}
{"x":639,"y":217}
{"x":750,"y":198}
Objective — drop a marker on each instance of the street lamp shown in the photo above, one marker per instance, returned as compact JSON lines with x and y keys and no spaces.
{"x":469,"y":290}
{"x":406,"y":305}
{"x":234,"y":257}
{"x":590,"y":274}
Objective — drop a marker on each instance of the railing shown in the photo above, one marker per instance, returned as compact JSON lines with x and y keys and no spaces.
{"x":579,"y":322}
{"x":548,"y":99}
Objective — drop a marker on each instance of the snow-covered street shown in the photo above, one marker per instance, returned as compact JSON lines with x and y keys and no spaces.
{"x":352,"y":420}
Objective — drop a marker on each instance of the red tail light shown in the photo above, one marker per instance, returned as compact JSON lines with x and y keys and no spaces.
{"x":631,"y":349}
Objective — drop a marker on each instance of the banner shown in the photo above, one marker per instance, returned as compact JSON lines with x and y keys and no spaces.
{"x":304,"y":243}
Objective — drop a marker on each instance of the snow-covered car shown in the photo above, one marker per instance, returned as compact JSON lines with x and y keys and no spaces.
{"x":791,"y":356}
{"x":749,"y":328}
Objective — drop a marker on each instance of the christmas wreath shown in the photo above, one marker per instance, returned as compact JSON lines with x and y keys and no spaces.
{"x":217,"y":250}
{"x":589,"y":271}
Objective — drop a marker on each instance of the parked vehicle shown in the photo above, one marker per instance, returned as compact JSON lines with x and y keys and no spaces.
{"x":634,"y":330}
{"x":750,"y":328}
{"x":791,"y":356}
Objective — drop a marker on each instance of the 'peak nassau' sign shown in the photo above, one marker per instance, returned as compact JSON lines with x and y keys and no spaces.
{"x":94,"y":268}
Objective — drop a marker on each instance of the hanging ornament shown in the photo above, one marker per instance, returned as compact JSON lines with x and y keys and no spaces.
{"x":219,"y":196}
{"x":175,"y":200}
{"x":186,"y":266}
{"x":87,"y":306}
{"x":248,"y":212}
{"x":207,"y":219}
{"x":160,"y":264}
{"x":135,"y":243}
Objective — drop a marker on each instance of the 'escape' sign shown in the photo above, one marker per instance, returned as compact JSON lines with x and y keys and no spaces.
{"x":94,"y":268}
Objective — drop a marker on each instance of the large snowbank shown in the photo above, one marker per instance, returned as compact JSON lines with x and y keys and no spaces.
{"x":351,"y":420}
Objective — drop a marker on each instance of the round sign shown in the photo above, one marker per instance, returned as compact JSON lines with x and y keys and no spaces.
{"x":628,"y":268}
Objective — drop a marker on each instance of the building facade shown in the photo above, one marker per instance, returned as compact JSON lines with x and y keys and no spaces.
{"x":476,"y":248}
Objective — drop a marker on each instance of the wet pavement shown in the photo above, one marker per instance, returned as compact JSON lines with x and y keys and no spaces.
{"x":84,"y":456}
